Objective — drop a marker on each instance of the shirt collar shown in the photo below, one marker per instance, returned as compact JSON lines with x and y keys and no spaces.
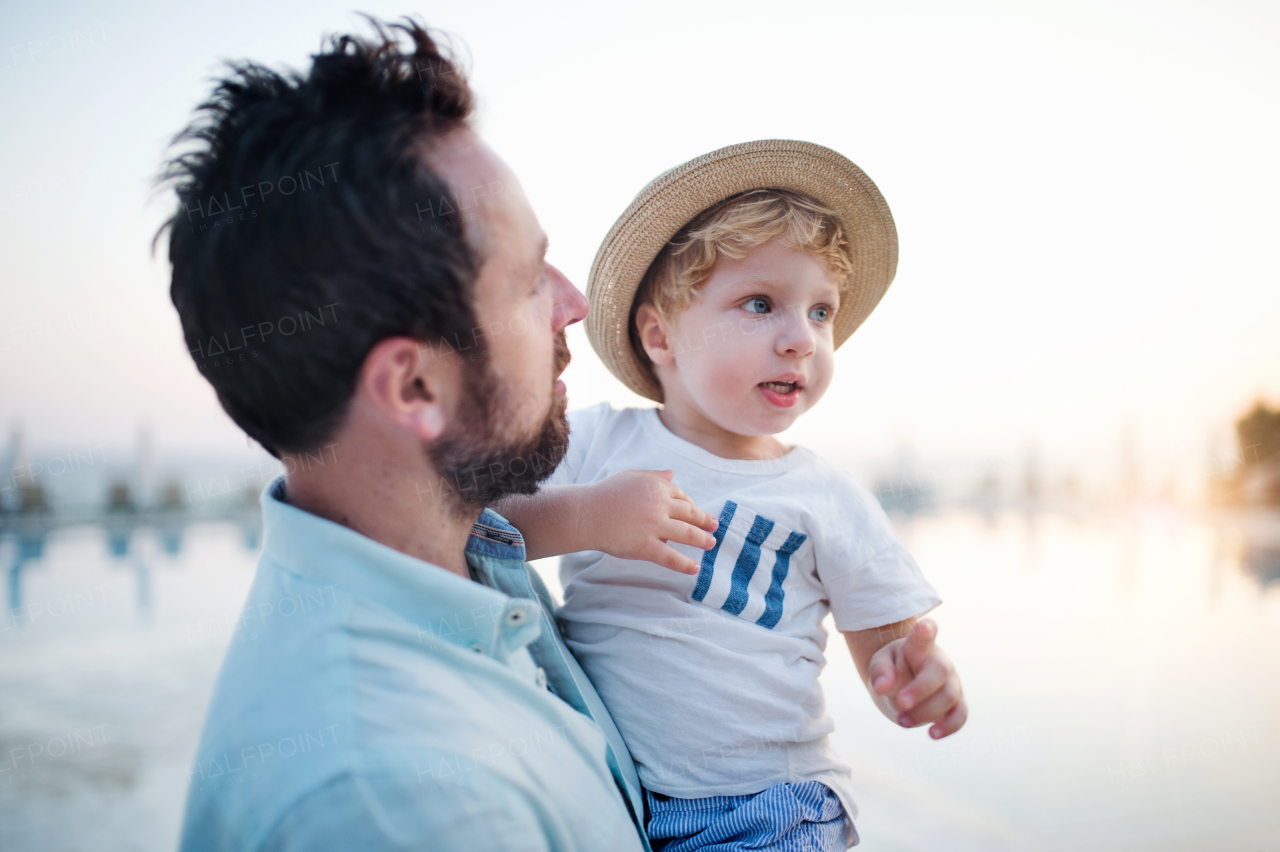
{"x":672,"y":442}
{"x":491,"y":535}
{"x":442,"y":604}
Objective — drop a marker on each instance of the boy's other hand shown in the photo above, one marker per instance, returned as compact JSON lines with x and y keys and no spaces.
{"x":636,"y":512}
{"x":919,"y":682}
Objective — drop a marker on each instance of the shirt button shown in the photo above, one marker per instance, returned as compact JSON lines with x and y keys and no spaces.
{"x":542,"y":678}
{"x":477,"y":647}
{"x":516,"y":616}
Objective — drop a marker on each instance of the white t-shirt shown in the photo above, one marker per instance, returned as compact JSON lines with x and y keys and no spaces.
{"x":713,"y":679}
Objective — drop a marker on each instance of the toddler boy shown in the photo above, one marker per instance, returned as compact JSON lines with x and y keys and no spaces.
{"x":722,"y":293}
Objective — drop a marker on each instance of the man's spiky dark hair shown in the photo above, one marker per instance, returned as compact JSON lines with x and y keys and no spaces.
{"x":299,"y":241}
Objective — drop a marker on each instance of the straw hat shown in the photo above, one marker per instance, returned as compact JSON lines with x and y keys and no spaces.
{"x":668,"y":203}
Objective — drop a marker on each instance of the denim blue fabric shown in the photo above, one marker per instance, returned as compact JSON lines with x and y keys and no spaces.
{"x":372,"y":701}
{"x":803,"y":817}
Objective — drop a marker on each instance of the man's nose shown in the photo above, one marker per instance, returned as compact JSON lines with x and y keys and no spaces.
{"x":570,"y":305}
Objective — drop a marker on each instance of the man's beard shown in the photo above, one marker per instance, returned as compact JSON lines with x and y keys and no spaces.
{"x":479,"y":462}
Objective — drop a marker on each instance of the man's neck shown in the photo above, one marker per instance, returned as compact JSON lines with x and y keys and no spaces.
{"x":397,"y":505}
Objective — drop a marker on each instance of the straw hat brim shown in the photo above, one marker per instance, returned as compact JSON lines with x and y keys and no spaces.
{"x":668,"y":203}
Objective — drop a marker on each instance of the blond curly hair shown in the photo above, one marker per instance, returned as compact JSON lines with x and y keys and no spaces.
{"x":730,"y":229}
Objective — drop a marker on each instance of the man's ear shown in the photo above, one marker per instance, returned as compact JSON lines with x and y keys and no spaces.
{"x":410,"y":385}
{"x":654,"y":335}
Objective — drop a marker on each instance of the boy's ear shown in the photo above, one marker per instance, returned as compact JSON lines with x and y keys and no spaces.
{"x":654,"y":336}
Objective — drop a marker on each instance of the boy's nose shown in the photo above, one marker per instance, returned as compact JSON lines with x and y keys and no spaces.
{"x":796,"y":337}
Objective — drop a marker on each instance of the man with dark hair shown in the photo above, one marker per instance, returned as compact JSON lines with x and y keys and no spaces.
{"x":361,"y":281}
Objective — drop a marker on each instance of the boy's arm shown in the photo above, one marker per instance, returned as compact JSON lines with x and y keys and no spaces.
{"x":910,"y":679}
{"x":549,"y":520}
{"x":630,"y":515}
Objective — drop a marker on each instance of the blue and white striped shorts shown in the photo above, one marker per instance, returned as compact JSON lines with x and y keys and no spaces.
{"x":804,"y":817}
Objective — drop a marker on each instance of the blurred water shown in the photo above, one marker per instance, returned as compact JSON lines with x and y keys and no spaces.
{"x":1122,"y":675}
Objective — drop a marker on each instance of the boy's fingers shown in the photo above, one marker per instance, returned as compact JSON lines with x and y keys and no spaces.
{"x":933,"y":708}
{"x":683,"y":533}
{"x":665,"y":474}
{"x":919,"y":644}
{"x":928,"y":680}
{"x":952,"y":722}
{"x":706,"y":521}
{"x":678,"y":493}
{"x":882,"y":674}
{"x":691,"y":514}
{"x":666,"y":557}
{"x":689,"y":511}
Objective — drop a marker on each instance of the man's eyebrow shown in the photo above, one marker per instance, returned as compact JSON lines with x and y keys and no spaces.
{"x":535,"y":265}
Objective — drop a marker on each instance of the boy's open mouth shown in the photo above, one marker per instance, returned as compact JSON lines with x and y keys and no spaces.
{"x":781,"y":394}
{"x":780,"y":387}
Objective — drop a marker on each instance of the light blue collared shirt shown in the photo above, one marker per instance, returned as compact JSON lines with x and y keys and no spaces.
{"x":372,"y":701}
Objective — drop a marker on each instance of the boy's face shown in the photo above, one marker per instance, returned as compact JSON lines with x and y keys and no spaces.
{"x":754,"y":350}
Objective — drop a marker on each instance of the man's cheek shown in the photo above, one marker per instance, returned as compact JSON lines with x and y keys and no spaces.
{"x":518,"y":340}
{"x":537,"y":367}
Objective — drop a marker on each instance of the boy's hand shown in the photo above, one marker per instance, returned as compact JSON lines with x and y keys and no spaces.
{"x":919,"y":682}
{"x":635,"y":513}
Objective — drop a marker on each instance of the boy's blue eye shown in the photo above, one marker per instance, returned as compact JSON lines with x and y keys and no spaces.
{"x":820,"y":314}
{"x":757,"y":306}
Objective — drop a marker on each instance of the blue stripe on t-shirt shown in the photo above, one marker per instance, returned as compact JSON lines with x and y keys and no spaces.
{"x":773,"y":598}
{"x":709,"y":558}
{"x":745,"y":567}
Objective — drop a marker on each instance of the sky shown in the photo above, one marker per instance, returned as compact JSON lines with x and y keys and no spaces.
{"x":1085,"y":196}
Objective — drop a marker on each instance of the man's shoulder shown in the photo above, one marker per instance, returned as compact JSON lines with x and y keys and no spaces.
{"x":425,"y":751}
{"x":379,"y":810}
{"x":407,"y":717}
{"x":278,"y":723}
{"x":373,"y":809}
